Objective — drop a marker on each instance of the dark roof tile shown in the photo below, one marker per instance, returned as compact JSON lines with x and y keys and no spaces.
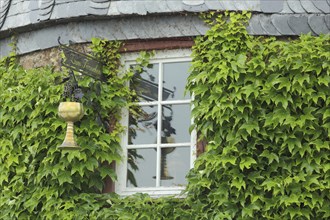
{"x":286,"y":8}
{"x":104,"y":29}
{"x":323,"y":6}
{"x":315,"y":22}
{"x":83,"y":32}
{"x":67,"y":1}
{"x":17,"y":1}
{"x":193,"y":2}
{"x":213,"y":5}
{"x":17,"y":8}
{"x":199,"y":25}
{"x":157,"y":7}
{"x":271,"y":6}
{"x":253,"y":5}
{"x":98,"y":7}
{"x":254,"y":26}
{"x":11,"y":22}
{"x":131,"y":7}
{"x":268,"y":26}
{"x":140,"y":8}
{"x":299,"y":24}
{"x":151,"y":27}
{"x":79,"y":8}
{"x":281,"y":24}
{"x":327,"y":20}
{"x":33,"y":5}
{"x":125,"y":7}
{"x":194,"y":8}
{"x":4,"y":7}
{"x":174,"y":5}
{"x":141,"y":33}
{"x":295,"y":6}
{"x":97,"y":11}
{"x":101,"y":1}
{"x":309,"y":6}
{"x":126,"y":29}
{"x":34,"y":17}
{"x":113,"y":9}
{"x":113,"y":29}
{"x":240,"y":5}
{"x":228,"y":5}
{"x":185,"y":26}
{"x":288,"y":24}
{"x":46,"y":9}
{"x":169,"y":28}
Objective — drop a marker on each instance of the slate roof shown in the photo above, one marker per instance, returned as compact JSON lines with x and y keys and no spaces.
{"x":40,"y":22}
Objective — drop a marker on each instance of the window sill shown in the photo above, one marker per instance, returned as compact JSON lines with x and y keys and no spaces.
{"x":177,"y":192}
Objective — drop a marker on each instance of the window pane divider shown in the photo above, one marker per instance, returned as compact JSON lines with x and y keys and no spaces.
{"x":175,"y":102}
{"x":136,"y":146}
{"x":159,"y":123}
{"x":164,"y":188}
{"x":147,"y":103}
{"x":176,"y":145}
{"x":188,"y":101}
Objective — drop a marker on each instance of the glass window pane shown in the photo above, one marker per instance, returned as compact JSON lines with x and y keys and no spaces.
{"x":146,"y":83}
{"x":175,"y":164}
{"x":175,"y":79}
{"x":141,"y":167}
{"x":175,"y":123}
{"x":143,"y":128}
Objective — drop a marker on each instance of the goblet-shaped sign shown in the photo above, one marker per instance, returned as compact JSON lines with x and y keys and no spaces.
{"x":70,"y":112}
{"x":164,"y":174}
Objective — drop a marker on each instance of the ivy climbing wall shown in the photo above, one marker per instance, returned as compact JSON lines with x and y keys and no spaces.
{"x":261,"y":104}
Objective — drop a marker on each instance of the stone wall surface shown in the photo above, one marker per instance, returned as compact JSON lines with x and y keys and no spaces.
{"x":48,"y":57}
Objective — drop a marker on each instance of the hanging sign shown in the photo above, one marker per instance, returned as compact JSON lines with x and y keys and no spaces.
{"x":83,"y":63}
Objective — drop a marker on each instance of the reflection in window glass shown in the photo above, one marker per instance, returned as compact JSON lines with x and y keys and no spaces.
{"x":175,"y":123}
{"x":146,"y":83}
{"x":175,"y":163}
{"x":158,"y":145}
{"x":175,"y":80}
{"x":143,"y":130}
{"x":141,"y":167}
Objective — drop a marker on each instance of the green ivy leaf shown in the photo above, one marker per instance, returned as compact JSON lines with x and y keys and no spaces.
{"x":249,"y":127}
{"x":246,"y":162}
{"x":64,"y":177}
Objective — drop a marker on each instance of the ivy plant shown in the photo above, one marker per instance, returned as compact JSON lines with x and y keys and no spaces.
{"x":261,"y":103}
{"x":37,"y":179}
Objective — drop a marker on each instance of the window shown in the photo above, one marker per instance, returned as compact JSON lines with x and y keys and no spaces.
{"x":156,"y":161}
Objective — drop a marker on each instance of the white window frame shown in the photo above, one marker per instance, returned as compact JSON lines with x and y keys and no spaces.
{"x":160,"y":57}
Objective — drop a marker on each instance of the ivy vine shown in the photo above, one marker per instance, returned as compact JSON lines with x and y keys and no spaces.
{"x":261,"y":104}
{"x":37,"y":179}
